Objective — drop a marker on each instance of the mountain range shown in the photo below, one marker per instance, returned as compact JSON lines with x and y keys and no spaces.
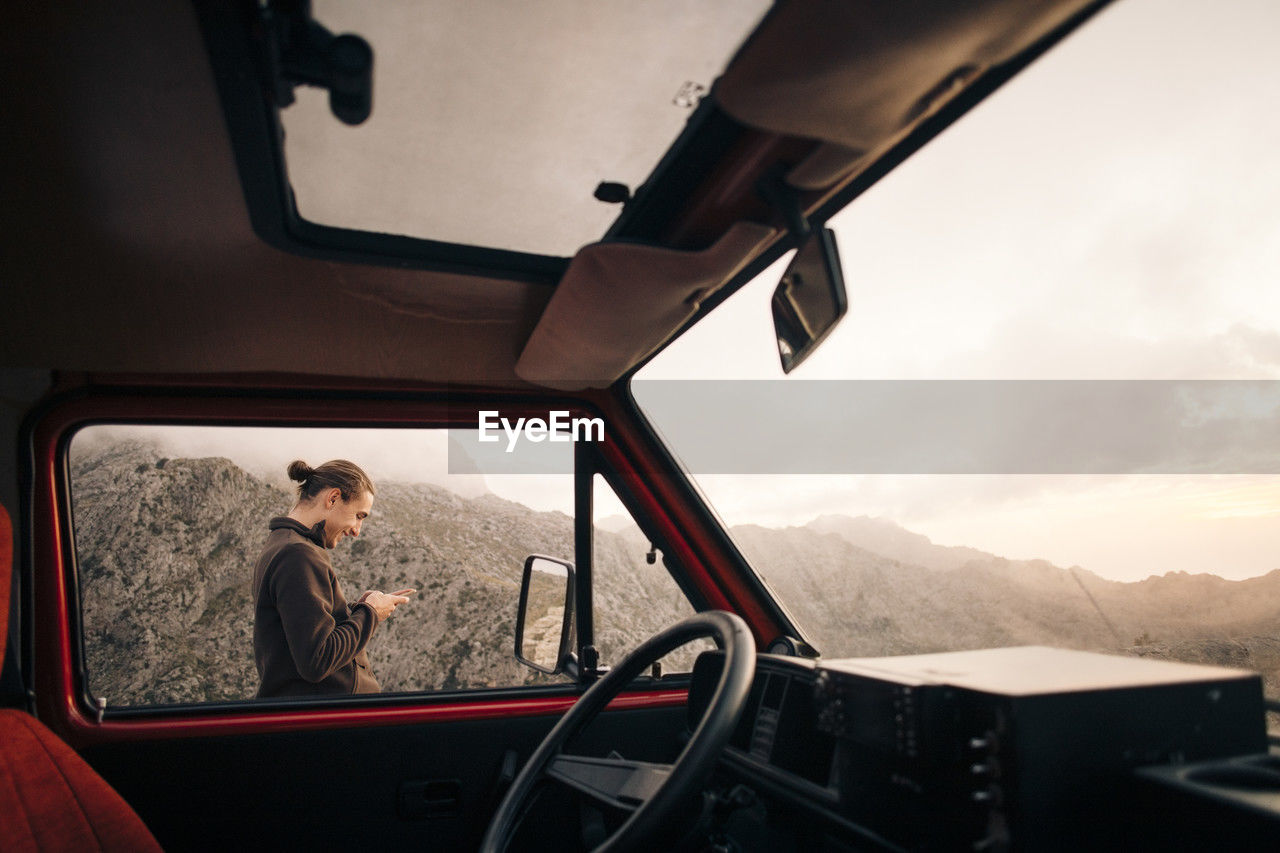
{"x":165,"y":550}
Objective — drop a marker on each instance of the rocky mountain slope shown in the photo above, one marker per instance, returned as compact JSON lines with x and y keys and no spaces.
{"x":166,"y":549}
{"x":875,"y":588}
{"x":870,"y":587}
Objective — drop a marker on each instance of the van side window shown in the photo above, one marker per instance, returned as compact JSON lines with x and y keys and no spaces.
{"x":169,"y":521}
{"x":633,"y":598}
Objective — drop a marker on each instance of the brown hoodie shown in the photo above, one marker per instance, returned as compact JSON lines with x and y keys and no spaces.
{"x":307,"y":641}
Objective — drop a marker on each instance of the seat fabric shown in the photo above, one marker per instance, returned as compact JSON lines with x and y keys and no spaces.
{"x":50,"y":799}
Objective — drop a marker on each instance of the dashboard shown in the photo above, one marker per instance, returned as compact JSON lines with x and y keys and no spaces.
{"x":1025,"y":748}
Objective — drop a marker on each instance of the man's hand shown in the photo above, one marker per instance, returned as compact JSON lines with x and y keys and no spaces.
{"x":383,"y":604}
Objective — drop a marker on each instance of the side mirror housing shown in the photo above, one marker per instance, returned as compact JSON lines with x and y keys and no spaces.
{"x":544,"y":622}
{"x":809,"y":300}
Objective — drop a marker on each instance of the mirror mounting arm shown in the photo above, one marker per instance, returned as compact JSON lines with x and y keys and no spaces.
{"x":590,"y":669}
{"x":785,"y":199}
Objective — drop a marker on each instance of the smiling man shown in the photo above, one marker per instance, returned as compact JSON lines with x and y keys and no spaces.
{"x":307,"y":640}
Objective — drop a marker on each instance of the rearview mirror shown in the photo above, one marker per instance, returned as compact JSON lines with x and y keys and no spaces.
{"x":809,"y":300}
{"x":544,"y":621}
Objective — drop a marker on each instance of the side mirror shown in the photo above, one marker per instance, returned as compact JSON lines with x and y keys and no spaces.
{"x":545,"y":620}
{"x":809,"y":300}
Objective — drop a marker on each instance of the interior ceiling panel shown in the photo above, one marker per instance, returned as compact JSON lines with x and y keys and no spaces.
{"x":128,"y":246}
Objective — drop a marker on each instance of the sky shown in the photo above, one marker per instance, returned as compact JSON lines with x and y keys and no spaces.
{"x":595,"y":102}
{"x":1111,"y":213}
{"x":386,"y":455}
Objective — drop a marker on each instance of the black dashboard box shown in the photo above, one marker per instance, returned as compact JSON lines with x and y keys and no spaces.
{"x":1026,"y":748}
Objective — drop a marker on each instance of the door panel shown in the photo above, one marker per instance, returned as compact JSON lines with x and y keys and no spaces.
{"x":324,"y":789}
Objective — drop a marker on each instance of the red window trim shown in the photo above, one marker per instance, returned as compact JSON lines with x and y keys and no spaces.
{"x":59,"y":698}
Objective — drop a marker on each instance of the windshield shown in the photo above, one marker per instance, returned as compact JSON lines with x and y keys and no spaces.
{"x":1049,"y":416}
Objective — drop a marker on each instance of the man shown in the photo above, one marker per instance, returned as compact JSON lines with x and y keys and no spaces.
{"x":307,"y":640}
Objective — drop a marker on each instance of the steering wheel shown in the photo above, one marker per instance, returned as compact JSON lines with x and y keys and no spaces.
{"x":649,"y":791}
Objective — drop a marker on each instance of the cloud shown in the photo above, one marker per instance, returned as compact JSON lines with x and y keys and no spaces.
{"x":405,"y":455}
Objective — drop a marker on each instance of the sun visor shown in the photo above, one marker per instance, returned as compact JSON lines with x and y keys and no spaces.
{"x":859,"y":76}
{"x":618,"y":302}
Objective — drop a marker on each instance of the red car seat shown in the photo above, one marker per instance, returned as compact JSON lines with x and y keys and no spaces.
{"x":50,"y":799}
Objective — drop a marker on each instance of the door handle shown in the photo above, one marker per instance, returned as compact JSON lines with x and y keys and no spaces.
{"x":421,"y":799}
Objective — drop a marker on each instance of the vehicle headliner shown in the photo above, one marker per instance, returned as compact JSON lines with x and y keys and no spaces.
{"x":129,"y":248}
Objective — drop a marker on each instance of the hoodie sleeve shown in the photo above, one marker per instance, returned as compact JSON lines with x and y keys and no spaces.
{"x":303,"y":594}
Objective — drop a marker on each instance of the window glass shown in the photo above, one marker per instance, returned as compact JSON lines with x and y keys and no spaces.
{"x":634,"y":598}
{"x":1104,"y":224}
{"x":169,"y":522}
{"x":454,"y":152}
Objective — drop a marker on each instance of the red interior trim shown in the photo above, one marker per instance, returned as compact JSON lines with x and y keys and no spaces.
{"x":83,"y":731}
{"x":683,"y":525}
{"x":729,"y":195}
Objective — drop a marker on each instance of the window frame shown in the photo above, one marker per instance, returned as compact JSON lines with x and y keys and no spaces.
{"x":54,"y":608}
{"x":589,"y":462}
{"x":230,"y":36}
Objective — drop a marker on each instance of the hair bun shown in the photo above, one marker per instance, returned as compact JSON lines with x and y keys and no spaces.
{"x":300,"y":471}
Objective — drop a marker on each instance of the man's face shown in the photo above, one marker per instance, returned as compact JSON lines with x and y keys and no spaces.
{"x":344,"y":518}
